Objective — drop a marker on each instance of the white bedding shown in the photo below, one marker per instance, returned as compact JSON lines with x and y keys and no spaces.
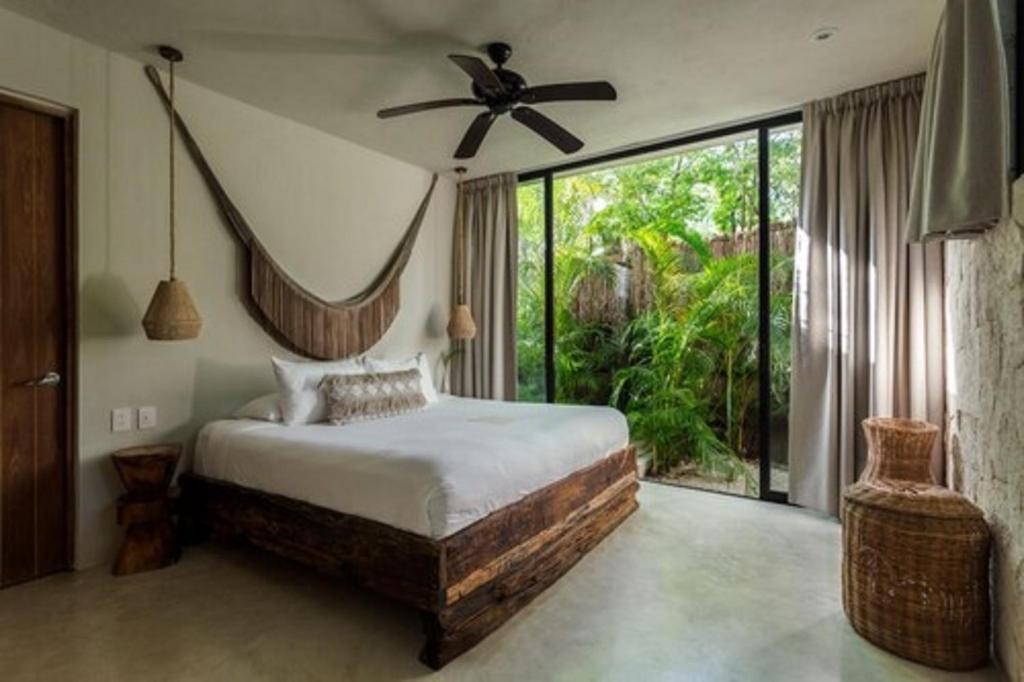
{"x":431,"y":472}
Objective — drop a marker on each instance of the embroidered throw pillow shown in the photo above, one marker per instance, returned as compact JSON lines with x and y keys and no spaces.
{"x":418,"y":361}
{"x":356,"y":397}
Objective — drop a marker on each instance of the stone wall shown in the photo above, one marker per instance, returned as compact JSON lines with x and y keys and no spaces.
{"x":985,"y":314}
{"x":985,"y":384}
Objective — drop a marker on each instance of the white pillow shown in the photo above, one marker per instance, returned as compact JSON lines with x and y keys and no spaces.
{"x":418,"y":361}
{"x":298,"y":385}
{"x":265,"y":408}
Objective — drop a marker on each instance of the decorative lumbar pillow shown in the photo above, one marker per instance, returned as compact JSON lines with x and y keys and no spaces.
{"x":418,"y":361}
{"x":356,"y":397}
{"x":298,"y":386}
{"x":265,"y":408}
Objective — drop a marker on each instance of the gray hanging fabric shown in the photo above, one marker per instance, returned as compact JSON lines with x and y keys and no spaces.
{"x":961,"y":179}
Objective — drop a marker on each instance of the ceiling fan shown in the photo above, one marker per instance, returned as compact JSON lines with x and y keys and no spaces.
{"x":505,"y":92}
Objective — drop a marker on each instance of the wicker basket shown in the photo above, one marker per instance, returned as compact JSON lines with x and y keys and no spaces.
{"x":915,"y":572}
{"x":899,"y":449}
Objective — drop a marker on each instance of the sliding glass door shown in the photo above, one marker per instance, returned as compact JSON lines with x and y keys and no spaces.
{"x":530,"y":345}
{"x":657,"y":283}
{"x":784,"y":145}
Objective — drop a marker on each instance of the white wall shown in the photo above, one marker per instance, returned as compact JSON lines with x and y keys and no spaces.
{"x":328,"y":210}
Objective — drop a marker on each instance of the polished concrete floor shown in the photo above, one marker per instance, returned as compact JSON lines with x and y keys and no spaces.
{"x":693,"y":586}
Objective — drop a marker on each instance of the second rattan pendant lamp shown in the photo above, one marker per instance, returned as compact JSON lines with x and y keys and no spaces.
{"x":461,"y":326}
{"x":171,"y":315}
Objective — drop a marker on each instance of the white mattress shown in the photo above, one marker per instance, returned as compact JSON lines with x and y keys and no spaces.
{"x":431,"y":472}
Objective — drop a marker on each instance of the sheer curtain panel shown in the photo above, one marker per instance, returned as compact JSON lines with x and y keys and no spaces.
{"x":485,"y":366}
{"x":868,"y":306}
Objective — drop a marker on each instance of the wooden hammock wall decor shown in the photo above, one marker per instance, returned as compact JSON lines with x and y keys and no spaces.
{"x":299,"y":319}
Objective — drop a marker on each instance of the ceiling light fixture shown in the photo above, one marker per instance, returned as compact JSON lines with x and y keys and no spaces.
{"x":824,"y":33}
{"x":171,"y":315}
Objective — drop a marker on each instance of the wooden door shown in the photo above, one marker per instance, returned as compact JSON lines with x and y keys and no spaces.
{"x":36,"y":297}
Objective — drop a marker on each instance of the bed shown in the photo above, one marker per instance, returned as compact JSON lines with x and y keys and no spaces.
{"x":465,"y":510}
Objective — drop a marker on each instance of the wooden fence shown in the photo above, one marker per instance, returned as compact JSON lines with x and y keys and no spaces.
{"x":625,"y":289}
{"x":746,"y":241}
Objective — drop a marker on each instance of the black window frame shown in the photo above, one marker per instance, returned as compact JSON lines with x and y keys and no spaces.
{"x":763,"y":128}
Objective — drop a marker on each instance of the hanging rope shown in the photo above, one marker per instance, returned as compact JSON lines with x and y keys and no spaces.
{"x":170,"y":127}
{"x":460,"y":236}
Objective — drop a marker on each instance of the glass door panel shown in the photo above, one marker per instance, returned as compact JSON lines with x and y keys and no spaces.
{"x":658,"y":303}
{"x":784,"y":201}
{"x":656,"y":298}
{"x":530,"y":298}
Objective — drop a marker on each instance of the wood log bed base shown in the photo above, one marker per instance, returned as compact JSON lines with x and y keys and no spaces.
{"x":465,"y":585}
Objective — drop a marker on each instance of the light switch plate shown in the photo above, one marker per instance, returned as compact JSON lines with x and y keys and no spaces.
{"x":121,"y":419}
{"x":147,"y":417}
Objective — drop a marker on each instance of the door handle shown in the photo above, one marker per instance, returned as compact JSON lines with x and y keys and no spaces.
{"x":48,"y":379}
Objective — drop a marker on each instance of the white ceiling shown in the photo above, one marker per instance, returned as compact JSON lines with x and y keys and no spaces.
{"x":678,"y":65}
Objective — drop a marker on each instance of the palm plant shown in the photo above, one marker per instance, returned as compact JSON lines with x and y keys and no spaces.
{"x":662,"y":391}
{"x":683,"y":365}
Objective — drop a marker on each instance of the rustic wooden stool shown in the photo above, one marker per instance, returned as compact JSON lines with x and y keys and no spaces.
{"x":151,"y":540}
{"x":915,"y":572}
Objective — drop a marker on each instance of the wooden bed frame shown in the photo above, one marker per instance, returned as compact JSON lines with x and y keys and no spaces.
{"x":465,"y":585}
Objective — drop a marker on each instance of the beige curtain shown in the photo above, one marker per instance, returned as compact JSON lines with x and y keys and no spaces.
{"x":962,"y":177}
{"x":867,"y":331}
{"x":486,"y":366}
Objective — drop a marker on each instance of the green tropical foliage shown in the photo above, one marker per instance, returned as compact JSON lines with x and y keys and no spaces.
{"x":647,"y":318}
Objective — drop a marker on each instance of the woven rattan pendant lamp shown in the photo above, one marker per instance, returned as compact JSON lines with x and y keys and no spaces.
{"x":172,"y":315}
{"x":461,"y":326}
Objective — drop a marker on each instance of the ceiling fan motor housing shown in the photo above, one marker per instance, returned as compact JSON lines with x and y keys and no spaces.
{"x":499,"y":52}
{"x":514,"y":85}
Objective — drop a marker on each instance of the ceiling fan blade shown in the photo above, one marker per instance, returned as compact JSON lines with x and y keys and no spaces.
{"x":564,"y":92}
{"x":427,"y":106}
{"x":548,"y":129}
{"x":475,"y":135}
{"x":479,"y":72}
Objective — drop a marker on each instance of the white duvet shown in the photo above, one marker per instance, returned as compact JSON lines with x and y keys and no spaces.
{"x":431,"y":472}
